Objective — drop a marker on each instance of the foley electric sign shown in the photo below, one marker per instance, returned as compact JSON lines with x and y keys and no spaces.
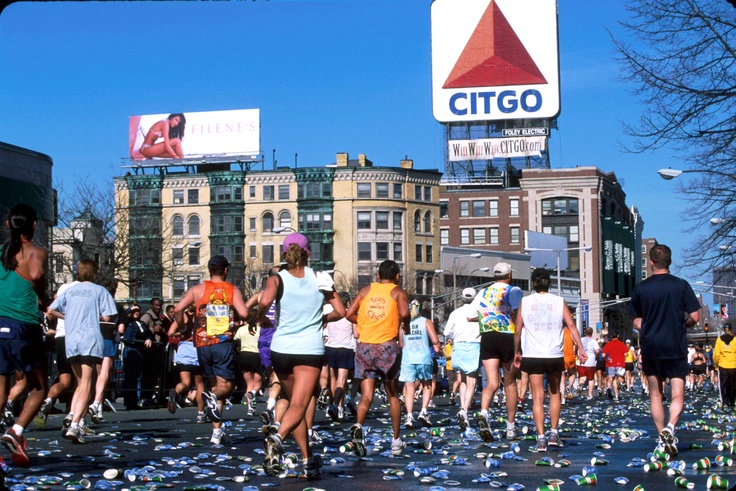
{"x":495,"y":60}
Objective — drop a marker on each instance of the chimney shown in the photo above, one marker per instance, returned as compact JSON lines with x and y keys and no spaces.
{"x":364,"y":162}
{"x":342,"y":159}
{"x":407,"y":163}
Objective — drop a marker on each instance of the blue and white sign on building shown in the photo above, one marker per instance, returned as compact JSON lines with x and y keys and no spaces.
{"x":495,"y":60}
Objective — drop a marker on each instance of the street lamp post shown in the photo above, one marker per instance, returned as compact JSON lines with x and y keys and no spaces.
{"x":278,"y":230}
{"x":454,"y":268}
{"x":558,"y":252}
{"x":484,"y":269}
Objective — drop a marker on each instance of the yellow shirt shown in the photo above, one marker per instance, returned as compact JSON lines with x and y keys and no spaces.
{"x":378,"y":315}
{"x":724,"y":355}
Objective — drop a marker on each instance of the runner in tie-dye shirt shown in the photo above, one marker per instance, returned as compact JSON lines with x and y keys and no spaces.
{"x":494,"y":308}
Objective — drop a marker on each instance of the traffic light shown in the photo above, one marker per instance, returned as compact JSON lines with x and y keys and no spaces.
{"x":705,"y":328}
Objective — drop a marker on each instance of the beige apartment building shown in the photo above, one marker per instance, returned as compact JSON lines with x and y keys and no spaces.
{"x":355,"y":213}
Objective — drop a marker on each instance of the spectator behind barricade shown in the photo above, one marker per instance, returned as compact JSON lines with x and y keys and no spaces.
{"x":724,"y":357}
{"x":136,"y":339}
{"x":153,"y":363}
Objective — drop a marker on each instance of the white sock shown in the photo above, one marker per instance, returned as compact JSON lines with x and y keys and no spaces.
{"x":270,"y":404}
{"x":484,"y":413}
{"x":510,"y":426}
{"x":18,"y":429}
{"x":671,"y":427}
{"x":74,"y":426}
{"x":553,"y":430}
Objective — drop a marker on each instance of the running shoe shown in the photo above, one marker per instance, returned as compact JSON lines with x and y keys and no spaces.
{"x":541,"y":443}
{"x":340,"y":413}
{"x":274,"y":449}
{"x":511,"y":432}
{"x":667,"y":437}
{"x":202,"y":418}
{"x":397,"y":447}
{"x":312,"y":466}
{"x":98,"y":417}
{"x":423,"y":418}
{"x":555,"y":440}
{"x":409,"y":421}
{"x":8,"y":417}
{"x":67,"y":421}
{"x":217,"y":435}
{"x":74,"y":434}
{"x":43,"y":414}
{"x":211,"y":406}
{"x":273,"y":428}
{"x":17,"y":446}
{"x":332,"y":412}
{"x":92,"y":410}
{"x":86,"y":430}
{"x":484,"y":428}
{"x":462,"y":420}
{"x":171,"y":403}
{"x":324,"y":398}
{"x":267,"y":417}
{"x":356,"y":435}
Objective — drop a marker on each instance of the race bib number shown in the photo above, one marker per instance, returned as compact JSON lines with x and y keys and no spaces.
{"x":217,"y":319}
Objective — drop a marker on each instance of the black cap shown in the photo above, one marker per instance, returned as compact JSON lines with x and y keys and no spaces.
{"x":727,"y":326}
{"x":218,"y":262}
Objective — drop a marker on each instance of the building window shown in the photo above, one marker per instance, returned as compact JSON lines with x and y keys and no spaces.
{"x":253,"y":251}
{"x":312,"y":221}
{"x":252,"y":224}
{"x":464,"y":209}
{"x":381,"y":251}
{"x":58,"y":263}
{"x":178,"y":196}
{"x":479,"y":236}
{"x":179,"y":287}
{"x":479,"y":208}
{"x":268,"y":223}
{"x":284,"y":192}
{"x":418,"y":252}
{"x":493,"y":235}
{"x":381,"y":190}
{"x":316,"y":252}
{"x":444,"y":210}
{"x":428,"y":223}
{"x":177,"y":255}
{"x":193,"y":225}
{"x":514,"y":235}
{"x":417,"y":221}
{"x":382,"y":220}
{"x":285,"y":219}
{"x":417,"y":192}
{"x":364,"y":190}
{"x":194,"y":256}
{"x":228,"y":224}
{"x":398,"y":218}
{"x":493,"y":208}
{"x":267,"y":257}
{"x":560,"y":206}
{"x":364,"y":220}
{"x":574,"y":236}
{"x":428,"y":255}
{"x":327,"y":252}
{"x":327,"y":221}
{"x":398,"y":191}
{"x":364,"y":251}
{"x":514,"y":207}
{"x":177,"y":225}
{"x":398,"y":255}
{"x":268,"y":193}
{"x":465,"y":236}
{"x":193,"y":196}
{"x":444,"y":237}
{"x":252,"y":192}
{"x":223,"y":193}
{"x":326,"y":189}
{"x":427,"y":193}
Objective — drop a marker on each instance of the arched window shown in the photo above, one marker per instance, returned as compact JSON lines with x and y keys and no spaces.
{"x":417,"y":221}
{"x":285,"y":219}
{"x":428,"y":222}
{"x":177,"y":225}
{"x":268,"y":222}
{"x":193,"y":225}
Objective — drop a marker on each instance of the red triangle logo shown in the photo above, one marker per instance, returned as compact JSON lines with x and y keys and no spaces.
{"x":494,"y":56}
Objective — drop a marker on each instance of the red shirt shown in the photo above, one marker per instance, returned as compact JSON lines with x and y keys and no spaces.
{"x":615,"y":352}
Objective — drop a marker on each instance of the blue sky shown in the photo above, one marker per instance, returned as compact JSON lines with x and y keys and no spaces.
{"x":328,"y":76}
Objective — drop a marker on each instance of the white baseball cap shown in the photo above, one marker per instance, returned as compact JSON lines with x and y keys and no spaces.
{"x":469,"y":293}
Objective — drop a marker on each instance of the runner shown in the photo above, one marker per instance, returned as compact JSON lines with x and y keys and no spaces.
{"x":615,"y":353}
{"x":465,"y":338}
{"x":494,"y":308}
{"x":187,"y":364}
{"x":249,"y":364}
{"x":586,"y":369}
{"x":380,"y":310}
{"x":213,"y":336}
{"x":22,"y":292}
{"x":416,"y":363}
{"x":539,"y":336}
{"x":297,"y":348}
{"x":83,"y":306}
{"x":340,"y":352}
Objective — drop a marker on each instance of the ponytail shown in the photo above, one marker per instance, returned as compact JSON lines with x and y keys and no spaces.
{"x":295,"y":256}
{"x":20,"y":223}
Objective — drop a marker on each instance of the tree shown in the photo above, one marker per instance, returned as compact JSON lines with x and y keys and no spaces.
{"x":681,"y":55}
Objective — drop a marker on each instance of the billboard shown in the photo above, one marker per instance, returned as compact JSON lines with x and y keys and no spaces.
{"x":546,"y":258}
{"x":496,"y":148}
{"x":196,"y":134}
{"x":618,"y":257}
{"x":494,"y":60}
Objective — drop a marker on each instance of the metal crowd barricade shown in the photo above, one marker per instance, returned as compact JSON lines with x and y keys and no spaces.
{"x":141,"y":374}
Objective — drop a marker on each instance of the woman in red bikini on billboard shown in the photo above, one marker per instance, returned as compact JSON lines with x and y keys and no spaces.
{"x":171,"y":130}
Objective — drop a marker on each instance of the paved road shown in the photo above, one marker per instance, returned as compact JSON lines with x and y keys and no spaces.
{"x":133,"y":439}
